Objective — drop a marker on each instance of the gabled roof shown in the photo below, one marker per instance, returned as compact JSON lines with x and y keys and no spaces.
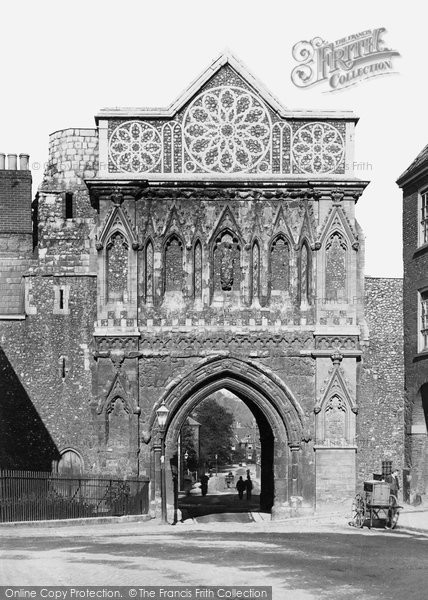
{"x":226,"y":58}
{"x":416,"y":167}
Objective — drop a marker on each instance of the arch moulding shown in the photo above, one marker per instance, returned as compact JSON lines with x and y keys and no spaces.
{"x":247,"y":379}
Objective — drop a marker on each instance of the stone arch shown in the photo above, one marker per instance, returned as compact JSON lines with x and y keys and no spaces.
{"x":173,"y":263}
{"x":280,"y":260}
{"x":197,"y":274}
{"x":117,"y":267}
{"x":149,"y":272}
{"x":305,"y":273}
{"x":336,"y":266}
{"x":255,"y":271}
{"x":278,"y":415}
{"x":226,"y":255}
{"x":70,"y":463}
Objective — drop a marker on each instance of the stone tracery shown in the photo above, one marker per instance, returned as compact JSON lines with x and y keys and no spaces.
{"x":173,"y":265}
{"x":280,"y":264}
{"x":318,"y":148}
{"x":227,"y":129}
{"x":135,"y":147}
{"x":117,"y":267}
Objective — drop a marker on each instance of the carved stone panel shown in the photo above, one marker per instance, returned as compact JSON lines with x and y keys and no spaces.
{"x":117,"y":267}
{"x":173,"y":265}
{"x":226,"y":264}
{"x":280,"y":267}
{"x":335,"y":276}
{"x":335,"y":420}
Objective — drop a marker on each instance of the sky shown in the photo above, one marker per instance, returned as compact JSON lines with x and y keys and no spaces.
{"x":62,"y":62}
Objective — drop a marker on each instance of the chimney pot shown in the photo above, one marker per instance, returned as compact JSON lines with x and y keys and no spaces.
{"x":12,"y":162}
{"x":24,"y":162}
{"x":2,"y":161}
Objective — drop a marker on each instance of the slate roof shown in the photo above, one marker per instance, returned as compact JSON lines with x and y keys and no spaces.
{"x":420,"y":161}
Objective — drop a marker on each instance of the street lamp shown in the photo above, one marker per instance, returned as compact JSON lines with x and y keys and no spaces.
{"x":216,"y":465}
{"x":186,"y":456}
{"x":162,"y":415}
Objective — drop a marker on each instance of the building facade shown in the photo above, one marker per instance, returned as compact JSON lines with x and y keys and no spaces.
{"x":210,"y":245}
{"x":414,"y":183}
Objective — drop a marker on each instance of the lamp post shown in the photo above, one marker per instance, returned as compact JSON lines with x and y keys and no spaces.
{"x":216,"y":465}
{"x":162,"y":415}
{"x":186,"y":456}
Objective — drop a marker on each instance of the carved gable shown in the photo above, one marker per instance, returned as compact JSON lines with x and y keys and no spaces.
{"x":225,"y":124}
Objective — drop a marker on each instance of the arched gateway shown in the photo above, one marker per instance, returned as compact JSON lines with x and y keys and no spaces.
{"x":213,"y":245}
{"x":278,"y":415}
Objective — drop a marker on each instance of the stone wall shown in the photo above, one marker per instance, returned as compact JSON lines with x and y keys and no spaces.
{"x":380,"y":423}
{"x":73,"y":157}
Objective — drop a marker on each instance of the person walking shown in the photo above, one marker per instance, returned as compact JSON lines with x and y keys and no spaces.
{"x":248,"y":487}
{"x":240,"y":486}
{"x":204,"y":484}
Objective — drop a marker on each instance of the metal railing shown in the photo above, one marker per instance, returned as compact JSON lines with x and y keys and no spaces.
{"x":35,"y":496}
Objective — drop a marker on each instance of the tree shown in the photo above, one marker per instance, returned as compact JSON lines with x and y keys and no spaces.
{"x":188,"y":445}
{"x":216,"y":431}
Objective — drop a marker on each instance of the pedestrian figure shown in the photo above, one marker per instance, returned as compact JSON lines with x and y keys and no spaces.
{"x":204,"y":484}
{"x":187,"y":480}
{"x":248,"y":487}
{"x":394,"y":484}
{"x":240,"y":486}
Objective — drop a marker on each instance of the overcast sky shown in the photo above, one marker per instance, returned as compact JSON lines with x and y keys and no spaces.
{"x":62,"y":62}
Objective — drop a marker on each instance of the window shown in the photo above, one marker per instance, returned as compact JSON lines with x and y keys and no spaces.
{"x":305,"y":274}
{"x":197,"y":271}
{"x":280,"y":264}
{"x":424,"y":320}
{"x":335,"y":268}
{"x":117,"y":268}
{"x":173,"y":265}
{"x":149,"y":273}
{"x":255,"y":271}
{"x":63,"y":367}
{"x":61,"y":300}
{"x":68,"y":205}
{"x":423,"y":231}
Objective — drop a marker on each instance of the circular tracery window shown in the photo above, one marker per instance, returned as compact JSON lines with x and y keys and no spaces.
{"x":318,"y":148}
{"x":135,"y":147}
{"x":226,"y":130}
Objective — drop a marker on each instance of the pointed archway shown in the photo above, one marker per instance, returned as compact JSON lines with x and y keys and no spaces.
{"x":278,"y":415}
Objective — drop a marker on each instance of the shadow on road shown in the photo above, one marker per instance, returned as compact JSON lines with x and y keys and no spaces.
{"x":196,"y":506}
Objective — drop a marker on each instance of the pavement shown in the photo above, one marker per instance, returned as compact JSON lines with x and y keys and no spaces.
{"x":302,"y":559}
{"x":414,"y":518}
{"x":222,"y":505}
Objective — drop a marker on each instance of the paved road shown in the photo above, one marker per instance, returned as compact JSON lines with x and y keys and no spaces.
{"x":301,"y":560}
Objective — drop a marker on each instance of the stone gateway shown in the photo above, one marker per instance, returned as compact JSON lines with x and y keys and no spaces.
{"x":177,"y":252}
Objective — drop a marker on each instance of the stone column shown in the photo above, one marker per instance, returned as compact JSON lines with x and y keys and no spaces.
{"x":156,"y":480}
{"x":281,"y":508}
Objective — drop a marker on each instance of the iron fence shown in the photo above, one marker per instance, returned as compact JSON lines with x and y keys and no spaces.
{"x":35,"y":496}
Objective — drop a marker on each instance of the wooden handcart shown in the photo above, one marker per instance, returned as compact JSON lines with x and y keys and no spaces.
{"x":376,"y":503}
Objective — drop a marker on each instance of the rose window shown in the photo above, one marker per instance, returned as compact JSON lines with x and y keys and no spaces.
{"x":135,"y":147}
{"x":226,"y":130}
{"x":318,"y":148}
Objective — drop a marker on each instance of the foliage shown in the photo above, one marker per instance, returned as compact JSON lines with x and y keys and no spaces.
{"x":188,"y":445}
{"x":216,"y":432}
